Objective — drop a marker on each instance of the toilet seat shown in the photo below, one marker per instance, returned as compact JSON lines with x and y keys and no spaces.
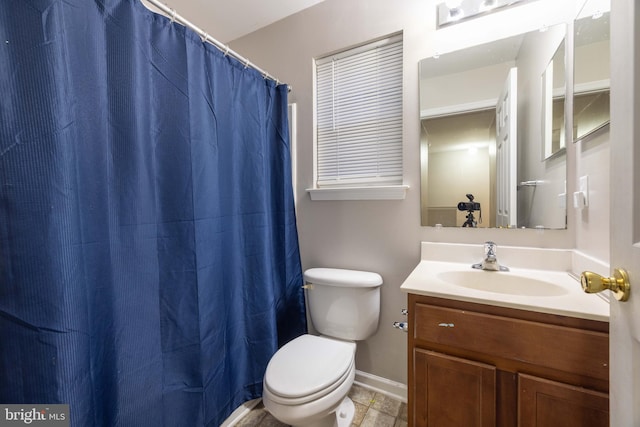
{"x":308,"y":368}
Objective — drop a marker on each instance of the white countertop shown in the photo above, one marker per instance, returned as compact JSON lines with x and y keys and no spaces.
{"x":568,"y":299}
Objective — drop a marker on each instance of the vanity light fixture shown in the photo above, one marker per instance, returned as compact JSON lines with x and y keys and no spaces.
{"x":455,"y":14}
{"x":487,"y":5}
{"x":455,"y":10}
{"x":452,"y":11}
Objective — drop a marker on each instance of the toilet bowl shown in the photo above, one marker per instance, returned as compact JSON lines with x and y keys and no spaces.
{"x":307,"y":381}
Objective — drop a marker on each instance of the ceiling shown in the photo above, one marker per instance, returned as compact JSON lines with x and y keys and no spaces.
{"x":227,"y":20}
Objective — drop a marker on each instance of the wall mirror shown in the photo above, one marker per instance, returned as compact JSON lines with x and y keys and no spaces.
{"x":482,"y":152}
{"x":591,"y":69}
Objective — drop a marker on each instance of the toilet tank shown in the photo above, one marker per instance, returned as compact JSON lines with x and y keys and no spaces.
{"x":342,"y":303}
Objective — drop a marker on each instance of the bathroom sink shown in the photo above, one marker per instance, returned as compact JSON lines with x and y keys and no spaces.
{"x":538,"y":280}
{"x":502,"y":283}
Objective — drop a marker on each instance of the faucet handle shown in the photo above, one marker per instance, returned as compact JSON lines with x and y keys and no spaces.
{"x":490,"y":249}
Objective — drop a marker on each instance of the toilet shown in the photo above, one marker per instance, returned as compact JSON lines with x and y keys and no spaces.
{"x":307,"y":381}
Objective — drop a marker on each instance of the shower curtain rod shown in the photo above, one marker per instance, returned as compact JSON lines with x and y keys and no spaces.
{"x":207,"y":38}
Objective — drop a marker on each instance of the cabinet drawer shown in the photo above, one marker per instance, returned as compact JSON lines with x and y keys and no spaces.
{"x":563,"y":348}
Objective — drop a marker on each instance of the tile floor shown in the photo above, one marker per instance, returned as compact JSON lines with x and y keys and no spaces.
{"x":372,"y":410}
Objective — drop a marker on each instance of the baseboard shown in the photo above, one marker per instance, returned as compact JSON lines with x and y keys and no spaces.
{"x":393,"y":389}
{"x":240,"y":412}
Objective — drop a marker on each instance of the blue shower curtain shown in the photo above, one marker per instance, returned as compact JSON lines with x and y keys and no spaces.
{"x":149,"y":262}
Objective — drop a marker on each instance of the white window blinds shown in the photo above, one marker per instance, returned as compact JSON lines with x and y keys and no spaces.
{"x":359,"y":116}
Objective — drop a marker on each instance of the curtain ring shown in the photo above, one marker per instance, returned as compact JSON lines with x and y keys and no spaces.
{"x":173,"y":15}
{"x":204,"y":37}
{"x":226,"y":50}
{"x":246,"y":64}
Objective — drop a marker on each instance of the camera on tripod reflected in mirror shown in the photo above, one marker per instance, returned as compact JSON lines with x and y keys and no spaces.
{"x":470,"y":207}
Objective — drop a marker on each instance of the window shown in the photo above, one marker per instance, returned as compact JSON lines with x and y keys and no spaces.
{"x":359,"y":117}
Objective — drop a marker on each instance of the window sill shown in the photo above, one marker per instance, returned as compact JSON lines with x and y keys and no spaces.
{"x":387,"y":192}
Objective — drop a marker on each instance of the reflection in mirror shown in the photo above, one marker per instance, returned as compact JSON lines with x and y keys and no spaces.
{"x":553,"y":96}
{"x":591,"y":69}
{"x":461,"y":147}
{"x":481,"y":110}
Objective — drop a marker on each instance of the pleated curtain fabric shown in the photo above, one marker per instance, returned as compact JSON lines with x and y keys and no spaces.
{"x":149,"y":262}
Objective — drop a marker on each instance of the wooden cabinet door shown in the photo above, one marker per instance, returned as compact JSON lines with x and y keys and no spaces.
{"x":545,"y":403}
{"x":453,"y":392}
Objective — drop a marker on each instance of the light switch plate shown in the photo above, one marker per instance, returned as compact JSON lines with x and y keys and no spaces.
{"x":584,"y":189}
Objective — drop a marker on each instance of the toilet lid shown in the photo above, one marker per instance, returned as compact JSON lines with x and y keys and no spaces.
{"x":307,"y":365}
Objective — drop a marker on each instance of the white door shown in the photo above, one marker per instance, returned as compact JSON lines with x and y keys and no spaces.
{"x":625,"y":210}
{"x":507,"y":152}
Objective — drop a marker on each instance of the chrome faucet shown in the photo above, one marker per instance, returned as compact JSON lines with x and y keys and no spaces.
{"x":490,"y":261}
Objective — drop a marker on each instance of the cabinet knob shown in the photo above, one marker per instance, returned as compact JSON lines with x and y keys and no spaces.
{"x":618,"y":284}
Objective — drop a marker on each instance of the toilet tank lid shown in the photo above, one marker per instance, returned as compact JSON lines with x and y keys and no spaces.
{"x":342,"y":277}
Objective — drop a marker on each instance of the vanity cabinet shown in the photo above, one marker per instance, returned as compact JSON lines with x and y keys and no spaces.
{"x":482,"y":365}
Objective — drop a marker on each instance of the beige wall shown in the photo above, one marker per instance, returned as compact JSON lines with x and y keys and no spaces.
{"x":466,"y":173}
{"x":385,"y":236}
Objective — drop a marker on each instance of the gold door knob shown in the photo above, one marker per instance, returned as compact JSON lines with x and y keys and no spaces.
{"x":618,"y":284}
